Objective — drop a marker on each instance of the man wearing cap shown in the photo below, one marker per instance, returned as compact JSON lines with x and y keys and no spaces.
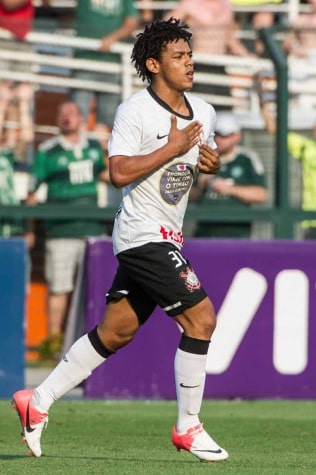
{"x":239,"y":183}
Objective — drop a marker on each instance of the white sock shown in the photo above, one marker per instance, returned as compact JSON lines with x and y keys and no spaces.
{"x":190,"y":381}
{"x":75,"y":366}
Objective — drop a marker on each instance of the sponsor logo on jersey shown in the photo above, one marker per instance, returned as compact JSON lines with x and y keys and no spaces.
{"x":171,"y":235}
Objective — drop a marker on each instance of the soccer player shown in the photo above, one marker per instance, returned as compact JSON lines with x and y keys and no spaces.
{"x":161,"y":138}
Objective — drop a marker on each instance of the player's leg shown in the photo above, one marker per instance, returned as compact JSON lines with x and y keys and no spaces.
{"x":184,"y":299}
{"x":190,"y":362}
{"x":198,"y":323}
{"x":168,"y":277}
{"x":116,"y":330}
{"x":118,"y":327}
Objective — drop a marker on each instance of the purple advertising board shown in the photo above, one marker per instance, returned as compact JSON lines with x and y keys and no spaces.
{"x":263,"y":346}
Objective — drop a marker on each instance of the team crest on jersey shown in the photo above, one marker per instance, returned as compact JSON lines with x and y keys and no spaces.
{"x":190,"y":279}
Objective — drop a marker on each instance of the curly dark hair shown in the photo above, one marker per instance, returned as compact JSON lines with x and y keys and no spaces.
{"x":153,"y":40}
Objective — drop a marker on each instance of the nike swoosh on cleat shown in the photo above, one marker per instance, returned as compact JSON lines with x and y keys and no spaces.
{"x":161,"y":136}
{"x":218,"y":451}
{"x":28,"y":425}
{"x":184,"y":386}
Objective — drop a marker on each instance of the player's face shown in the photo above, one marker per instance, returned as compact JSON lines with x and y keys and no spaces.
{"x":69,"y":119}
{"x":176,"y":67}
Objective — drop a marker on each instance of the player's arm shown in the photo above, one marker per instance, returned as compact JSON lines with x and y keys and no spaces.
{"x":125,"y":170}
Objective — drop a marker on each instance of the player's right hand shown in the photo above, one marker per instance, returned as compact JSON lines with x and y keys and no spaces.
{"x":184,"y":139}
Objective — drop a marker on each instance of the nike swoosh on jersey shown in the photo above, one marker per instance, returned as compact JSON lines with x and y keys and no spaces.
{"x":161,"y":136}
{"x":28,"y":425}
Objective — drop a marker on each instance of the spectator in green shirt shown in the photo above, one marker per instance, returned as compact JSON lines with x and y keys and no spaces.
{"x":14,"y":144}
{"x":8,"y":227}
{"x":70,"y":164}
{"x":110,"y":21}
{"x":239,"y":183}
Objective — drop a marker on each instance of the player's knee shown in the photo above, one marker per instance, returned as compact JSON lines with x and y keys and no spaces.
{"x":114,"y":339}
{"x":199,"y":325}
{"x":205,"y":318}
{"x":121,"y":339}
{"x":206,"y":324}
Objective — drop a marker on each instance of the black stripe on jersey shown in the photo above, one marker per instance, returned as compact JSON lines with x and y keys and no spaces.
{"x":168,"y":108}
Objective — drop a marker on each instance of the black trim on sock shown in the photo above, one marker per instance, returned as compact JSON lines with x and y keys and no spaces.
{"x":194,"y":345}
{"x":98,"y":345}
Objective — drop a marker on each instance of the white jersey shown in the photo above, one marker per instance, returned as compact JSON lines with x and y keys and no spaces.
{"x":153,"y":208}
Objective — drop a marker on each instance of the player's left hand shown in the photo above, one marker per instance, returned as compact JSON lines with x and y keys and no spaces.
{"x":209,"y":161}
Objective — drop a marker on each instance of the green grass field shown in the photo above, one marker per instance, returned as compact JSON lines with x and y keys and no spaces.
{"x":118,"y":438}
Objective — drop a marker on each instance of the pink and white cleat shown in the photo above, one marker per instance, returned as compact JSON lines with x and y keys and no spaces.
{"x":32,"y":421}
{"x":197,"y":441}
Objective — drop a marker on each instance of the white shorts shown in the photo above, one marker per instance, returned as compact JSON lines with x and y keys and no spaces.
{"x":62,"y":258}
